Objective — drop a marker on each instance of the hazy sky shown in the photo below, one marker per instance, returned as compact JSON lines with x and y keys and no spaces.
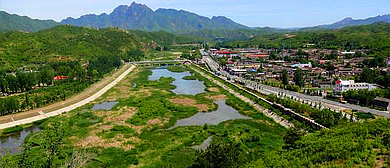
{"x":254,"y":13}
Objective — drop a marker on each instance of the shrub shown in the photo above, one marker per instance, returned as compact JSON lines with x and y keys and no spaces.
{"x":12,"y":130}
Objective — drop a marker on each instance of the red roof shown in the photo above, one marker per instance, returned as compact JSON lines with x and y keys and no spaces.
{"x":323,"y":61}
{"x":257,"y":55}
{"x":60,"y":77}
{"x":224,"y":52}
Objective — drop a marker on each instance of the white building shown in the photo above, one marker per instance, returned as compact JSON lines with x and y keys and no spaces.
{"x":347,"y":52}
{"x":302,"y":65}
{"x":343,"y":86}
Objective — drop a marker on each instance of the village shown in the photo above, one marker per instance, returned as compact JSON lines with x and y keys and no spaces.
{"x":326,"y":73}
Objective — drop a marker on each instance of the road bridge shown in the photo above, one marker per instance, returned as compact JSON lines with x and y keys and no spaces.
{"x":160,"y":62}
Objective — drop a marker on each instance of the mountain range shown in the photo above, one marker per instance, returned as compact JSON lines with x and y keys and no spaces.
{"x":138,"y":16}
{"x":141,"y":17}
{"x":11,"y":22}
{"x":347,"y":22}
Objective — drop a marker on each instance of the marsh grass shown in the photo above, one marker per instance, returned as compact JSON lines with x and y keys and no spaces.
{"x":176,"y":69}
{"x":158,"y":146}
{"x":11,"y":130}
{"x":117,"y":129}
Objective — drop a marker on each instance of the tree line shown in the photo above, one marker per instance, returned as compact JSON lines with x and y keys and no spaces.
{"x":37,"y":87}
{"x":324,"y":117}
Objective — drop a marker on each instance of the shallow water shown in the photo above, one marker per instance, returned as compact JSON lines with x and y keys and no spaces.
{"x":205,"y":144}
{"x":104,"y":106}
{"x":222,"y":114}
{"x":186,"y":87}
{"x":11,"y":143}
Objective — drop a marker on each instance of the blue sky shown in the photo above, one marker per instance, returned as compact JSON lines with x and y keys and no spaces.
{"x":254,"y":13}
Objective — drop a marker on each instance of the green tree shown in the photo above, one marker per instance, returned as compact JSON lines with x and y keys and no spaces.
{"x":51,"y":144}
{"x":134,"y":55}
{"x":46,"y":75}
{"x":12,"y":83}
{"x":31,"y":80}
{"x":285,"y":77}
{"x":272,"y":55}
{"x":219,"y":155}
{"x":3,"y":84}
{"x":293,"y":135}
{"x":22,"y":81}
{"x":298,"y":78}
{"x":367,"y":75}
{"x":223,"y":61}
{"x":53,"y":139}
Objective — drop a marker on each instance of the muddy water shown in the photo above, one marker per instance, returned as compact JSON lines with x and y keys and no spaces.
{"x":12,"y":143}
{"x":186,"y":87}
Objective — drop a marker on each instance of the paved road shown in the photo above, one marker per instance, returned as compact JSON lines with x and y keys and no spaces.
{"x":70,"y":107}
{"x":307,"y":98}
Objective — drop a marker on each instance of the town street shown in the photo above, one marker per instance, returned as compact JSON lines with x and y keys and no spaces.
{"x":264,"y":89}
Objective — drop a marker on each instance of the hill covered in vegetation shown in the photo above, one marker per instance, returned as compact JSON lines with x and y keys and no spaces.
{"x":12,"y":22}
{"x":375,"y":37}
{"x":63,"y":42}
{"x":233,"y":34}
{"x":141,"y":17}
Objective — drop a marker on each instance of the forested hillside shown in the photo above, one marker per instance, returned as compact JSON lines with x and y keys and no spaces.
{"x":352,"y":145}
{"x":19,"y":49}
{"x":77,"y":57}
{"x":12,"y":22}
{"x":236,"y":34}
{"x":375,"y":37}
{"x":141,"y":17}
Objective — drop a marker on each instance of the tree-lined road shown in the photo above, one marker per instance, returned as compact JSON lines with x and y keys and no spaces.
{"x":265,"y":89}
{"x":80,"y":100}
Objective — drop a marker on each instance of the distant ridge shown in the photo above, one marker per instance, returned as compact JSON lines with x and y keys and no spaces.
{"x":12,"y":22}
{"x":141,"y":17}
{"x":349,"y":21}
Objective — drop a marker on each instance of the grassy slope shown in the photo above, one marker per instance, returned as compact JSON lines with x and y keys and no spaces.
{"x":66,"y":42}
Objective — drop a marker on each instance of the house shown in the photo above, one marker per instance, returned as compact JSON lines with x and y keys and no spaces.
{"x":347,"y":52}
{"x":227,"y":54}
{"x":56,"y":78}
{"x":322,"y":83}
{"x":309,"y":45}
{"x":254,"y":56}
{"x":382,"y":102}
{"x":344,"y":71}
{"x":289,"y":35}
{"x":343,"y":86}
{"x":237,"y":71}
{"x":323,"y":62}
{"x":302,"y":65}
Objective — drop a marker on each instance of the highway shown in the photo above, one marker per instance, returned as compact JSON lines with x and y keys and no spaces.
{"x":307,"y":98}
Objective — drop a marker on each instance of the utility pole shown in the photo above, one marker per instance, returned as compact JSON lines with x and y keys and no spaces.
{"x":283,"y":52}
